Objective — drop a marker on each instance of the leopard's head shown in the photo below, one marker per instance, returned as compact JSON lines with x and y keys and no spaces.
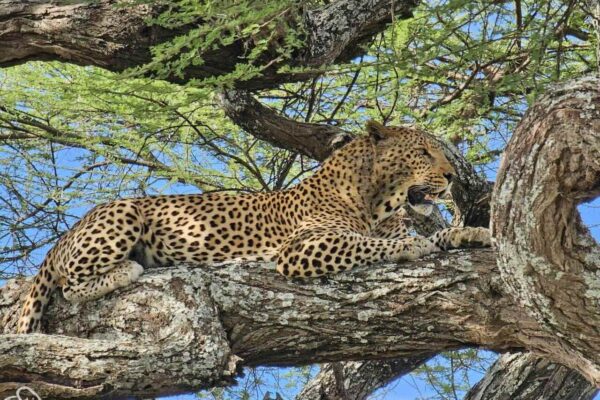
{"x":409,"y":167}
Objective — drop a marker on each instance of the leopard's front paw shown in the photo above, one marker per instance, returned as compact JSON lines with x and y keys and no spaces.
{"x":126,"y":273}
{"x":471,"y":237}
{"x":135,"y":270}
{"x":424,"y":247}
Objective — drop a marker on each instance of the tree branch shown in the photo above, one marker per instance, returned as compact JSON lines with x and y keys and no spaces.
{"x":116,"y":38}
{"x":170,"y":322}
{"x":180,"y":317}
{"x":549,"y":261}
{"x":527,"y":377}
{"x":316,"y":141}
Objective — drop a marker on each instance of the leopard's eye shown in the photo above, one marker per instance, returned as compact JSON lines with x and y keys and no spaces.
{"x":424,"y":152}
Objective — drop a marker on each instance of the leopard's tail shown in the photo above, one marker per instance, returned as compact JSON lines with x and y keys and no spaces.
{"x":42,"y":288}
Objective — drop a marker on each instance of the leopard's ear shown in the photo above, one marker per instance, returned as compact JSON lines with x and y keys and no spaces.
{"x":377,"y":130}
{"x":339,"y":141}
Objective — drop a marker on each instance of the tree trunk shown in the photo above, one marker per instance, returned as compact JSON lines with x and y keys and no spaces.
{"x":116,"y":38}
{"x":548,"y":260}
{"x":200,"y":324}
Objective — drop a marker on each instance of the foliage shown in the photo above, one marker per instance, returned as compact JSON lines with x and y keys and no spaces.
{"x":466,"y":70}
{"x":267,"y":31}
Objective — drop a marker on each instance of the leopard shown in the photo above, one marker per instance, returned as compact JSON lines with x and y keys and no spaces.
{"x":345,"y":215}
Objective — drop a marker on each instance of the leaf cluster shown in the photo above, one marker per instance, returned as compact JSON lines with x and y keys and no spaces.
{"x":267,"y":31}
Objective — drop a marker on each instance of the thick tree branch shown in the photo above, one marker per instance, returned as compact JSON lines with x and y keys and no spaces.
{"x":170,"y":322}
{"x":407,"y":310}
{"x":549,"y":261}
{"x":116,"y":38}
{"x":527,"y":377}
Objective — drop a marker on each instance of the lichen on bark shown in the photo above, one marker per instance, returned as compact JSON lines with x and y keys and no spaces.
{"x":200,"y":323}
{"x":547,"y":257}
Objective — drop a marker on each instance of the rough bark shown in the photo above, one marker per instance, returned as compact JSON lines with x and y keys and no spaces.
{"x":548,"y":260}
{"x":130,"y":343}
{"x":100,"y":34}
{"x":313,"y":140}
{"x":527,"y":377}
{"x":178,"y":317}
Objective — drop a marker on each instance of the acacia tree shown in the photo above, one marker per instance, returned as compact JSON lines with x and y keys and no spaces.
{"x":299,"y":44}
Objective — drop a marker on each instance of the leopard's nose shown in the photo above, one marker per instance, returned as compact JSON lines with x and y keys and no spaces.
{"x":448,"y":176}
